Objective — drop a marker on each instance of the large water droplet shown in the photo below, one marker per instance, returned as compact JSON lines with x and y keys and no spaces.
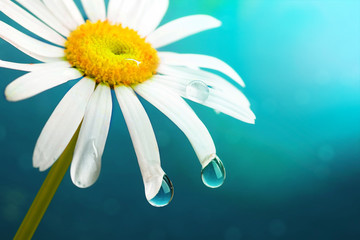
{"x":89,"y":157}
{"x":213,"y":174}
{"x":165,"y":194}
{"x":197,"y":91}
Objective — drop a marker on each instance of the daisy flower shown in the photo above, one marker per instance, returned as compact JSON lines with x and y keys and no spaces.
{"x":116,"y":48}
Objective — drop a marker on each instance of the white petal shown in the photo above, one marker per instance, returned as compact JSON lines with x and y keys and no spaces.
{"x":210,"y":79}
{"x":143,"y":15}
{"x":141,"y":6}
{"x":143,"y":139}
{"x":126,"y":13}
{"x":202,"y":61}
{"x":176,"y":109}
{"x":62,"y":124}
{"x":74,"y":11}
{"x":38,"y":57}
{"x":181,"y":28}
{"x":218,"y":96}
{"x":86,"y":163}
{"x":39,"y":10}
{"x":95,"y":9}
{"x":60,"y":11}
{"x":151,"y":16}
{"x":36,"y":82}
{"x":29,"y":67}
{"x":218,"y":100}
{"x":113,"y":10}
{"x":31,"y":23}
{"x":32,"y":45}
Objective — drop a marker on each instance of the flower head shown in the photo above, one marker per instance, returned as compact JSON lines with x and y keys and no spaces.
{"x":116,"y":49}
{"x":111,"y":54}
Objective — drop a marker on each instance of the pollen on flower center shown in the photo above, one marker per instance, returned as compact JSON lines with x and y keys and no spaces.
{"x":111,"y":54}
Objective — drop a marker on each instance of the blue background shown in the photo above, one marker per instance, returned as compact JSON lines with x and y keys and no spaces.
{"x":293,"y":175}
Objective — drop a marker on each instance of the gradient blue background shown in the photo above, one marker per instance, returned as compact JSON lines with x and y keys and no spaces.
{"x":293,"y":175}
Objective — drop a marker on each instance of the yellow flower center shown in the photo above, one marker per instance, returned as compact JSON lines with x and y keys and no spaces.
{"x":111,"y":54}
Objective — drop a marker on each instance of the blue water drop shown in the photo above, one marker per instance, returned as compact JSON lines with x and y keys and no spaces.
{"x":213,"y":174}
{"x":165,"y":194}
{"x":197,"y":91}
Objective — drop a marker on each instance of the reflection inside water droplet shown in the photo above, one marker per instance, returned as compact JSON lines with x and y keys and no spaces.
{"x":165,"y":194}
{"x":213,"y":174}
{"x":197,"y":91}
{"x":95,"y":152}
{"x":90,"y":150}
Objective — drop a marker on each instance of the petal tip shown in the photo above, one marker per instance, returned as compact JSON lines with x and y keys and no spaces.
{"x":241,"y":82}
{"x":78,"y":182}
{"x":214,"y":19}
{"x":8,"y":95}
{"x":218,"y":22}
{"x":43,"y":167}
{"x":83,"y":175}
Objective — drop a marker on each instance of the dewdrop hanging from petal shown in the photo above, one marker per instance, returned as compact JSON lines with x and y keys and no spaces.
{"x":118,"y":50}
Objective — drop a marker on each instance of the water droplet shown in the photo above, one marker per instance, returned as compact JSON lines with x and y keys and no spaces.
{"x":197,"y":91}
{"x":95,"y":152}
{"x":134,"y":60}
{"x":88,"y":156}
{"x":165,"y":194}
{"x":213,"y":174}
{"x":217,"y":111}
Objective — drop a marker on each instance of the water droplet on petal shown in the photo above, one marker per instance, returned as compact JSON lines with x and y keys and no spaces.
{"x":95,"y":152}
{"x":213,"y":174}
{"x":217,"y":111}
{"x":87,"y":168}
{"x":197,"y":91}
{"x":165,"y":194}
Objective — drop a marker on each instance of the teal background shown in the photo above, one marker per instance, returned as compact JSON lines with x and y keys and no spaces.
{"x":293,"y":175}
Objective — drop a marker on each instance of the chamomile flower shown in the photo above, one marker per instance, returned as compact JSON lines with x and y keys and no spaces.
{"x":116,"y":49}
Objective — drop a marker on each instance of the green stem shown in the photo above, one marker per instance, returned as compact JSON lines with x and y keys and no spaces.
{"x":46,"y":192}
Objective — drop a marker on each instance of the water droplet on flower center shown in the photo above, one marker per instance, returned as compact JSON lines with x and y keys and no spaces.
{"x":197,"y":91}
{"x":136,"y":61}
{"x":165,"y":194}
{"x":213,"y":174}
